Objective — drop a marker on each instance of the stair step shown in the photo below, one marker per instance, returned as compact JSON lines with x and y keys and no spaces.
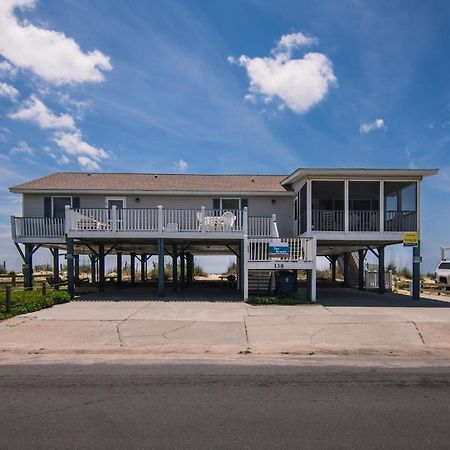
{"x":259,"y":281}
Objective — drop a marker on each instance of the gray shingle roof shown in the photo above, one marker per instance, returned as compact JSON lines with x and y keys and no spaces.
{"x":79,"y":181}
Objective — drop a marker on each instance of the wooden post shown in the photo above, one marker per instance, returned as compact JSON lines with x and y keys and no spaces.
{"x":346,"y":274}
{"x":189,"y":268}
{"x":309,"y":285}
{"x":161,"y":292}
{"x":133,"y":268}
{"x":76,"y":263}
{"x":143,"y":261}
{"x":119,"y":269}
{"x":101,"y":267}
{"x":416,"y":273}
{"x":241,"y":269}
{"x":93,"y":259}
{"x":174,"y":268}
{"x":182,"y":270}
{"x":333,"y":268}
{"x":56,"y":267}
{"x":8,"y":299}
{"x":70,"y":271}
{"x":13,"y":279}
{"x":381,"y":280}
{"x":361,"y":257}
{"x":28,"y":267}
{"x":44,"y":289}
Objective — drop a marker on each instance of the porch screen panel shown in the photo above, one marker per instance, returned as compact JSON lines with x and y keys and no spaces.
{"x":328,"y":205}
{"x":303,"y":210}
{"x":364,"y":205}
{"x":400,"y":203}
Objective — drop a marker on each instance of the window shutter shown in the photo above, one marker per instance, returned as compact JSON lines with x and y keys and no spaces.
{"x":244,"y":203}
{"x":216,"y":203}
{"x":47,"y":207}
{"x":75,"y":202}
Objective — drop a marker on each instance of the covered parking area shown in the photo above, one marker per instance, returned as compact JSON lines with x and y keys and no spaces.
{"x":351,"y":257}
{"x":137,"y":264}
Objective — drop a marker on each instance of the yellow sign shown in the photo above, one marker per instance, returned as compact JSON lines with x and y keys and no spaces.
{"x":411,"y":239}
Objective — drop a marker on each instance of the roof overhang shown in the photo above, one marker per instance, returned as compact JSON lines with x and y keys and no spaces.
{"x":300,"y":174}
{"x":154,"y":193}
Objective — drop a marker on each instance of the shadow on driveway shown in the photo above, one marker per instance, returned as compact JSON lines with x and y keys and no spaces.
{"x":339,"y":296}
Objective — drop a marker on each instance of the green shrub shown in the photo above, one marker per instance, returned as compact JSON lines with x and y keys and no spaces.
{"x":271,"y":300}
{"x":23,"y":302}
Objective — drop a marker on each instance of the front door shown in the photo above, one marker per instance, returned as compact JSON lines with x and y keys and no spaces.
{"x":120,"y":204}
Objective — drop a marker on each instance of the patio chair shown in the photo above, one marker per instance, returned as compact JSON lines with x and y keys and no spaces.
{"x":228,"y":219}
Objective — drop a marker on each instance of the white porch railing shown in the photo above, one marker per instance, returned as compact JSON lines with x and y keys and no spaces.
{"x":135,"y":220}
{"x":169,"y":220}
{"x":262,"y":226}
{"x":364,"y":220}
{"x":328,"y":220}
{"x":41,"y":227}
{"x":300,"y":249}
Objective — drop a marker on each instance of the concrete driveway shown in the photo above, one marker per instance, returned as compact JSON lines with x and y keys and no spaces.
{"x":346,"y":322}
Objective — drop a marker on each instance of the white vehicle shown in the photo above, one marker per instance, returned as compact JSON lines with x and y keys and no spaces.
{"x":443,"y":272}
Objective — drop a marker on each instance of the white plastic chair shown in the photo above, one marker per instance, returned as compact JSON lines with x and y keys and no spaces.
{"x":228,"y":219}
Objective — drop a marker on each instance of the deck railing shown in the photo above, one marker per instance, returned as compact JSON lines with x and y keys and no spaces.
{"x":136,"y":220}
{"x":300,"y":249}
{"x":364,"y":220}
{"x":160,"y":219}
{"x":41,"y":227}
{"x":328,"y":220}
{"x":262,"y":226}
{"x":400,"y":221}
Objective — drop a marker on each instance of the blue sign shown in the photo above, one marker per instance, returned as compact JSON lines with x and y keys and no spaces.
{"x":280,"y":249}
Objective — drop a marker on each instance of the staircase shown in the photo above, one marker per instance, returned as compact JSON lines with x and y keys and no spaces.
{"x":259,"y":282}
{"x":353,"y":269}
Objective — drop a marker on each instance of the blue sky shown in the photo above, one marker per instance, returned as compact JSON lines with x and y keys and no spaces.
{"x":156,"y":86}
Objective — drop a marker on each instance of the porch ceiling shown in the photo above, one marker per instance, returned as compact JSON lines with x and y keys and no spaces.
{"x":83,"y":247}
{"x":327,"y":248}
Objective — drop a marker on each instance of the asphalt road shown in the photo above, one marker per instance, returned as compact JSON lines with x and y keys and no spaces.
{"x":226,"y":407}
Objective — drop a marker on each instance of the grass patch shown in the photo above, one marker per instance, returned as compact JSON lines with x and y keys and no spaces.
{"x":273,"y":300}
{"x":23,"y":302}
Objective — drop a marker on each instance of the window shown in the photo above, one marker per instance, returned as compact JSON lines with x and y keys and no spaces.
{"x":444,"y":265}
{"x":119,"y":203}
{"x":59,"y":206}
{"x":230,"y":203}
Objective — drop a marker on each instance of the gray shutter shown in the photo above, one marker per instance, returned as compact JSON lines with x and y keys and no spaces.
{"x":216,"y":203}
{"x":244,"y":203}
{"x":47,"y":207}
{"x":75,"y":202}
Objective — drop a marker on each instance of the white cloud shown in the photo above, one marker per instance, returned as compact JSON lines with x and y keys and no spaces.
{"x":8,"y":91}
{"x":35,"y":111}
{"x":22,"y":147}
{"x":73,"y":144}
{"x":88,"y":163}
{"x":181,"y":166}
{"x":60,"y":159}
{"x":77,"y":107}
{"x":289,"y":42}
{"x":299,"y":83}
{"x":368,"y":127}
{"x":7,"y":68}
{"x":49,"y":54}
